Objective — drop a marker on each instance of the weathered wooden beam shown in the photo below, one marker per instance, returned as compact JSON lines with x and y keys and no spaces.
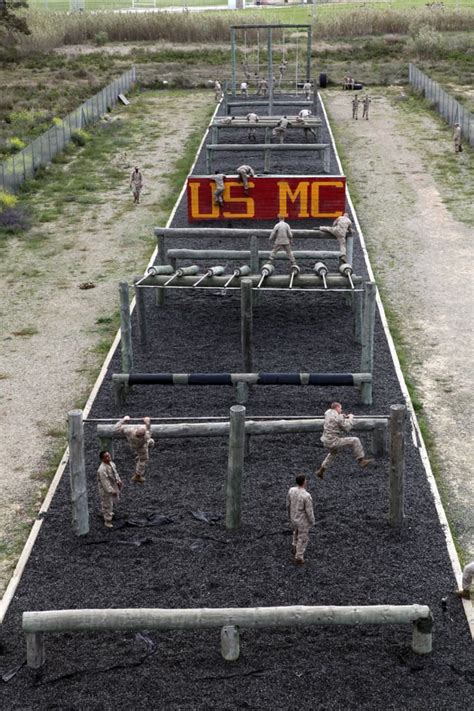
{"x":77,"y":469}
{"x":263,"y":378}
{"x":232,"y":233}
{"x":98,"y":620}
{"x":245,"y":254}
{"x":246,"y":324}
{"x":272,"y":147}
{"x":302,"y":104}
{"x":235,"y":467}
{"x":397,"y":465}
{"x":125,"y":328}
{"x":230,"y":643}
{"x":266,"y":121}
{"x":367,"y":338}
{"x":141,"y":311}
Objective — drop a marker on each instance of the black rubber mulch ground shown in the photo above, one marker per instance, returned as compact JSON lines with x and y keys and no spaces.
{"x":353,"y":557}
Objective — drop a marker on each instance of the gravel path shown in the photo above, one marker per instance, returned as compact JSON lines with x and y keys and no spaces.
{"x":421,"y":256}
{"x":353,"y":557}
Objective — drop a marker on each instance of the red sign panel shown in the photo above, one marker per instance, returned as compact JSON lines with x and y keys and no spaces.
{"x":294,"y":197}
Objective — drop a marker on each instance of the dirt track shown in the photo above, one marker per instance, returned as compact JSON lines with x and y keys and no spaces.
{"x":421,"y":258}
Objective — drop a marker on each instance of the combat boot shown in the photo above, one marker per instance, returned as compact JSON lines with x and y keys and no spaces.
{"x":138,"y":478}
{"x":299,"y":561}
{"x":108,"y":524}
{"x":363,"y":462}
{"x":320,"y":472}
{"x":465,"y":594}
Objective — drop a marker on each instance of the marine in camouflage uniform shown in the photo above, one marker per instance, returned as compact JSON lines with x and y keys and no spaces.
{"x":136,"y":184}
{"x":219,"y":191}
{"x":365,"y":107}
{"x":302,"y":117}
{"x":307,"y":90}
{"x":281,"y":238}
{"x":457,"y":138}
{"x":341,"y":227}
{"x":280,"y":129}
{"x":335,"y":425}
{"x":467,"y":580}
{"x":253,"y":119}
{"x":140,"y":441}
{"x":245,"y":172}
{"x":355,"y":107}
{"x":301,"y":515}
{"x":217,"y":90}
{"x":110,"y":486}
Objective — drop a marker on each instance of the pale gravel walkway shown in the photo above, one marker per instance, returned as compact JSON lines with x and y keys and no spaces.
{"x":44,"y":375}
{"x":421,"y":257}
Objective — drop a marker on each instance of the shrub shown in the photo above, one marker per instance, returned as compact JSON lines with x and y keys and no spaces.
{"x":14,"y":145}
{"x":80,"y":137}
{"x":7,"y":200}
{"x":428,"y":43}
{"x":14,"y":220}
{"x":57,"y":121}
{"x":101,"y":38}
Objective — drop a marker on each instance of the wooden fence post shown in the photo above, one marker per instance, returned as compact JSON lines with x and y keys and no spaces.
{"x":125,"y":328}
{"x":230,"y":643}
{"x":422,"y":638}
{"x":357,"y":310}
{"x":162,"y":259}
{"x":77,"y":468}
{"x":397,"y":465}
{"x":141,"y":312}
{"x":35,"y":654}
{"x":368,"y":326}
{"x":246,"y":324}
{"x":235,"y":467}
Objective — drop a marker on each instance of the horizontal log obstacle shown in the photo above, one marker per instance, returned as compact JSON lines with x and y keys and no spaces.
{"x":279,"y":282}
{"x":267,"y":149}
{"x":122,"y":382}
{"x":300,"y":103}
{"x":163,"y":234}
{"x":172,"y":255}
{"x":267,"y":124}
{"x":37,"y":624}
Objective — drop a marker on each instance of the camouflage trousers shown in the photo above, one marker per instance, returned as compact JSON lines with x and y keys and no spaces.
{"x":279,"y":132}
{"x":218,"y":199}
{"x":282,"y":248}
{"x":107,"y":505}
{"x":300,"y":540}
{"x":142,"y":458}
{"x":343,"y":443}
{"x":341,"y":241}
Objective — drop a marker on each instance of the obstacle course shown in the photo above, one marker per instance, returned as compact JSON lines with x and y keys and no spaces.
{"x":191,"y":561}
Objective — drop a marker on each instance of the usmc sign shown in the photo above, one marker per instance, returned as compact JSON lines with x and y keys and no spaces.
{"x":294,"y":197}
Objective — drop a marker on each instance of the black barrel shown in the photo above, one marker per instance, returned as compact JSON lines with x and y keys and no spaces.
{"x":323,"y":81}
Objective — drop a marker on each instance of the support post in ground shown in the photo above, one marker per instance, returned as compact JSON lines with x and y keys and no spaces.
{"x":230,"y":643}
{"x":125,"y":328}
{"x":246,"y":324}
{"x":35,"y":653}
{"x":397,"y":465}
{"x":162,"y":259}
{"x":422,"y":638}
{"x":141,"y":312}
{"x":368,"y":326}
{"x":270,"y":71}
{"x":235,"y":467}
{"x":77,"y":469}
{"x":308,"y":55}
{"x":234,"y":60}
{"x":357,"y":311}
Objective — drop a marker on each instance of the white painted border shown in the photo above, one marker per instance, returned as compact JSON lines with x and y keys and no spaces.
{"x":416,"y":432}
{"x":33,"y":535}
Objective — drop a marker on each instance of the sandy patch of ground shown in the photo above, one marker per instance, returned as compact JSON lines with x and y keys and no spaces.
{"x":421,"y":257}
{"x":47,"y":371}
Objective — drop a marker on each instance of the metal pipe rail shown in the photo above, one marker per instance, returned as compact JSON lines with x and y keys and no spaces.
{"x":315,"y":379}
{"x":268,"y":149}
{"x":229,"y":619}
{"x":278,"y":281}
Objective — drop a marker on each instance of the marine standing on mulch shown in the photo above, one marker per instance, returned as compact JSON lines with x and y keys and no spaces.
{"x":457,"y":138}
{"x":365,"y":107}
{"x":355,"y":107}
{"x":307,"y":90}
{"x":341,"y":227}
{"x":301,"y":515}
{"x":281,"y":238}
{"x":110,"y":486}
{"x":245,"y":172}
{"x":302,"y":117}
{"x":136,"y":184}
{"x":335,"y":425}
{"x":217,"y":90}
{"x":219,"y":191}
{"x":140,"y":441}
{"x":467,"y":580}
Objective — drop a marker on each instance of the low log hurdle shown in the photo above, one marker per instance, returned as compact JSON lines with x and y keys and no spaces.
{"x":123,"y":382}
{"x":266,"y":123}
{"x":268,"y":149}
{"x":300,"y":104}
{"x":229,"y":619}
{"x":163,"y":234}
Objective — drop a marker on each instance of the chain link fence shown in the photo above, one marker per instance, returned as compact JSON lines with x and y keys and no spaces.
{"x":42,"y":150}
{"x":450,"y":109}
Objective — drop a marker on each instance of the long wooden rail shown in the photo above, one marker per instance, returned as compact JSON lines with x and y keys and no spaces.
{"x":267,"y":149}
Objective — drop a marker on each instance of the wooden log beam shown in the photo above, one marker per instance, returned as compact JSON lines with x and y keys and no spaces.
{"x":397,"y":465}
{"x":367,"y":338}
{"x":302,"y":104}
{"x":314,"y":379}
{"x":245,"y":254}
{"x":266,"y":121}
{"x":246,"y":324}
{"x":272,"y":147}
{"x":233,"y":233}
{"x":252,"y":427}
{"x":235,"y":467}
{"x":125,"y":328}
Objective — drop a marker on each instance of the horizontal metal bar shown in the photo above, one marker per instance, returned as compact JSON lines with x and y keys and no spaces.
{"x":276,"y":281}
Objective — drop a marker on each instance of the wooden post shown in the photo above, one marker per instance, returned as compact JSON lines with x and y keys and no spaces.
{"x":162,"y":259}
{"x":367,"y":337}
{"x":378,"y":442}
{"x":357,"y":310}
{"x":397,"y":465}
{"x":235,"y":467}
{"x":141,"y":312}
{"x":241,"y":393}
{"x":246,"y":324}
{"x":230,"y":643}
{"x":254,"y":265}
{"x":422,"y":638}
{"x":208,"y":161}
{"x":77,"y":468}
{"x":35,"y":654}
{"x":270,"y":70}
{"x":266,"y":161}
{"x":125,"y":328}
